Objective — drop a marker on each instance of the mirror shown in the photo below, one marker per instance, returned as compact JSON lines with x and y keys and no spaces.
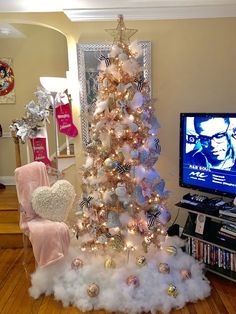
{"x":88,"y":61}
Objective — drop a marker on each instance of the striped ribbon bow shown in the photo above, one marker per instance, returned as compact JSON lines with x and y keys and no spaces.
{"x":123,"y":169}
{"x":151,"y":218}
{"x":85,"y":202}
{"x":140,"y":83}
{"x":106,"y":59}
{"x":157,"y":145}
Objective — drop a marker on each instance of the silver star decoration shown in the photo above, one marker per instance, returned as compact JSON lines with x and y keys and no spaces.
{"x":121,"y":34}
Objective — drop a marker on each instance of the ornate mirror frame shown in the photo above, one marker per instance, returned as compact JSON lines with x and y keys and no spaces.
{"x":88,"y":54}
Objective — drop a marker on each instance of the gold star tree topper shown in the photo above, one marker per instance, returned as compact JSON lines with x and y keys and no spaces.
{"x":121,"y":34}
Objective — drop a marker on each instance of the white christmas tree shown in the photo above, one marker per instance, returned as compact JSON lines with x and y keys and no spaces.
{"x":123,"y":205}
{"x":121,"y":258}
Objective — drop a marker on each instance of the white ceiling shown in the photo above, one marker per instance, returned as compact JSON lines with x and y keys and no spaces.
{"x":91,"y":10}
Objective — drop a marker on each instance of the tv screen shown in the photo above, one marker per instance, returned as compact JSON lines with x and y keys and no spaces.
{"x":208,"y":152}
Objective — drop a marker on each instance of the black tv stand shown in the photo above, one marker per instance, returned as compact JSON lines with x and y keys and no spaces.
{"x":218,"y":255}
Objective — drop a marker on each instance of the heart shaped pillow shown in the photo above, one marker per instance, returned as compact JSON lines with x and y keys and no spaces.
{"x":54,"y":202}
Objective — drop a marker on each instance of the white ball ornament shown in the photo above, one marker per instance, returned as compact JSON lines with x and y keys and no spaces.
{"x":119,"y":130}
{"x":140,"y":173}
{"x":123,"y":56}
{"x":115,"y":51}
{"x":137,"y":101}
{"x":133,"y":127}
{"x":114,"y":231}
{"x":135,"y":154}
{"x":164,"y":217}
{"x":108,"y":163}
{"x":121,"y":191}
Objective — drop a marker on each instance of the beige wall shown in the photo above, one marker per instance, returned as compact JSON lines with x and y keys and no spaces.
{"x":193,"y":69}
{"x":43,"y":52}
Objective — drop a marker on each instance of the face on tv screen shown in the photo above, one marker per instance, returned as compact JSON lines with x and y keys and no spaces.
{"x":208,"y":152}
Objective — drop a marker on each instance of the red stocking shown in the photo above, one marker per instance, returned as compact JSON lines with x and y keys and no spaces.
{"x":65,"y":121}
{"x":39,"y":148}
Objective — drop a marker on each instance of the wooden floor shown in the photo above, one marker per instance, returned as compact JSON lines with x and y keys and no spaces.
{"x":8,"y":198}
{"x":10,"y":233}
{"x":14,"y":296}
{"x":14,"y":283}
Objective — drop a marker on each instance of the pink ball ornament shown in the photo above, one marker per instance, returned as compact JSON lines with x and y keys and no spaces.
{"x":185,"y":274}
{"x":77,"y":263}
{"x":132,"y":281}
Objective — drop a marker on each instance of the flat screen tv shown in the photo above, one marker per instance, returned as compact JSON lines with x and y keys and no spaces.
{"x":208,"y":152}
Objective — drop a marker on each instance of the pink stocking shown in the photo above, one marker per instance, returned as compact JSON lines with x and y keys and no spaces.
{"x":39,"y":148}
{"x":65,"y":121}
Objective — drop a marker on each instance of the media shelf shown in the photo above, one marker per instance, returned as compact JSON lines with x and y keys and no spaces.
{"x":209,"y":236}
{"x":209,"y":240}
{"x":228,"y":274}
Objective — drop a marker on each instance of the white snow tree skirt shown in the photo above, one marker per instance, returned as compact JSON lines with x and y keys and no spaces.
{"x":94,"y":284}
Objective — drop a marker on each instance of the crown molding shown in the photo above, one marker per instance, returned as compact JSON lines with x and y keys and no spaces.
{"x":153,"y":13}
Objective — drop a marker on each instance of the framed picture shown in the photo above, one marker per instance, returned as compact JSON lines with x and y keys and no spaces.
{"x":88,"y":61}
{"x":7,"y":82}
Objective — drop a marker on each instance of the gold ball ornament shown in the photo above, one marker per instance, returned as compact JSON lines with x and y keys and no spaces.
{"x":77,"y":263}
{"x":132,"y":281}
{"x":117,"y":243}
{"x":185,"y":274}
{"x":164,"y":268}
{"x":109,"y":263}
{"x":93,"y":290}
{"x":172,"y":291}
{"x":141,"y":261}
{"x":171,"y":250}
{"x":130,"y":94}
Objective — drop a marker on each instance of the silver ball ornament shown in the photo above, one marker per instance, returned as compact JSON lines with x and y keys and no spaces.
{"x":163,"y":268}
{"x":77,"y":263}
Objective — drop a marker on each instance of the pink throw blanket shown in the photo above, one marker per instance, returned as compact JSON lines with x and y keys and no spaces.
{"x":50,"y":240}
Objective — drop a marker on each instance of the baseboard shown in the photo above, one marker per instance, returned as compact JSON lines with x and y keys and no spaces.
{"x":8,"y":180}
